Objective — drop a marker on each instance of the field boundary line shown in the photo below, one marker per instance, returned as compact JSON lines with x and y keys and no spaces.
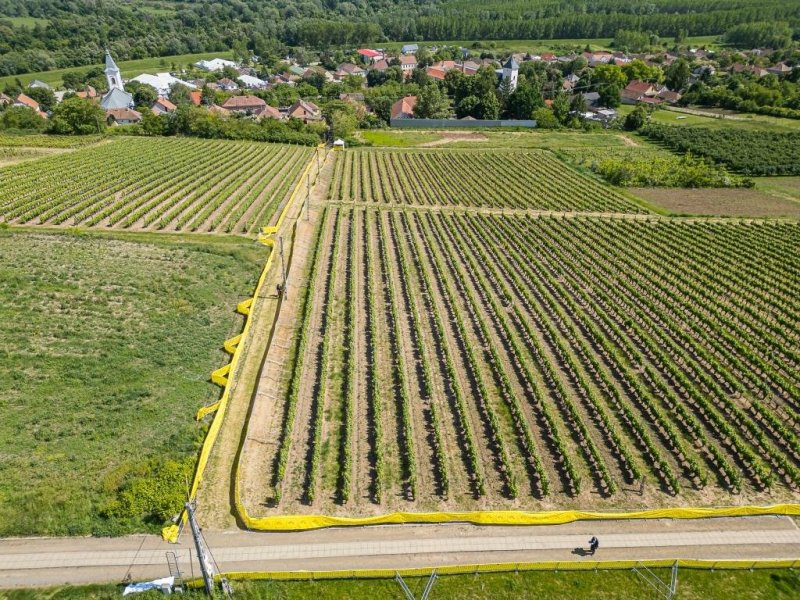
{"x":224,"y":375}
{"x":503,"y":517}
{"x":474,"y":569}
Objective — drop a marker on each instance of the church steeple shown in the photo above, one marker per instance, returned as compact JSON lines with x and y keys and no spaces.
{"x":113,"y":76}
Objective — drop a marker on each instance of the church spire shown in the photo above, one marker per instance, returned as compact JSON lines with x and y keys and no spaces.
{"x":113,"y":75}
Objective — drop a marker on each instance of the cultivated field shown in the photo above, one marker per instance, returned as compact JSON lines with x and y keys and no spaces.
{"x":492,"y":178}
{"x":721,"y":201}
{"x":461,"y":361}
{"x":106,"y":345}
{"x":164,"y":184}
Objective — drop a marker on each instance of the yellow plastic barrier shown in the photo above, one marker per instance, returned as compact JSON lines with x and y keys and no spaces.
{"x":222,"y":376}
{"x":244,"y":306}
{"x":577,"y":565}
{"x":509,"y":517}
{"x":230,"y":345}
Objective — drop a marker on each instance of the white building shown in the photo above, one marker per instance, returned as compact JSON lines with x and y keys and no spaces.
{"x":254,"y":83}
{"x":116,"y":97}
{"x":161,"y":82}
{"x":511,"y":73}
{"x":215,"y":64}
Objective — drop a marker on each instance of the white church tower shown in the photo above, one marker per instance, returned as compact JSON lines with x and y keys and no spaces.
{"x":113,"y":76}
{"x":510,"y":74}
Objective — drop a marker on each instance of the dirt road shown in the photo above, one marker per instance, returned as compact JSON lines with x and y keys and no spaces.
{"x":27,"y":562}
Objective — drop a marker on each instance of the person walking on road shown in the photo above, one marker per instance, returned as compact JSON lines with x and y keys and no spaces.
{"x":593,"y":545}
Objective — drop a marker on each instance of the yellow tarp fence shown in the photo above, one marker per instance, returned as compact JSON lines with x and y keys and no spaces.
{"x":223,"y":375}
{"x":502,"y":517}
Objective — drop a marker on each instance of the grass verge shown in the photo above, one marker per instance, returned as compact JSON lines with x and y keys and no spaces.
{"x":107,"y":343}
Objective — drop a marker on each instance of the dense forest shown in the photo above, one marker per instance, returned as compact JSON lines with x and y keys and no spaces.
{"x":39,"y":35}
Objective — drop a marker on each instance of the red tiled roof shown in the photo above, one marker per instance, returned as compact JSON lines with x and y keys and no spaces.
{"x":28,"y":101}
{"x":123,"y":114}
{"x":435,"y":73}
{"x":168,"y":106}
{"x":404,"y":106}
{"x":270,"y":112}
{"x":244,"y":103}
{"x":369,"y":53}
{"x":640,"y":87}
{"x":197,"y":97}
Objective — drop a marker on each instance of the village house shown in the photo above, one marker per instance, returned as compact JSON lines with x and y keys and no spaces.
{"x":780,"y":69}
{"x":754,"y":70}
{"x":409,"y":49}
{"x":162,"y":106}
{"x":269,"y":112}
{"x":23,"y":101}
{"x":253,"y":83}
{"x":218,"y":110}
{"x":161,"y":82}
{"x":41,"y":84}
{"x":368,"y":55}
{"x":408,"y":62}
{"x":352,"y":97}
{"x":215,"y":64}
{"x":346,"y":69}
{"x":404,"y":108}
{"x":227,"y":85}
{"x":637,"y":91}
{"x":248,"y":105}
{"x":196,"y":97}
{"x":598,"y":58}
{"x":435,"y":73}
{"x":123,"y":116}
{"x":379,"y":65}
{"x":305,"y":111}
{"x":88,"y":94}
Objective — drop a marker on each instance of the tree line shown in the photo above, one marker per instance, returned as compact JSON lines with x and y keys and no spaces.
{"x":75,"y":33}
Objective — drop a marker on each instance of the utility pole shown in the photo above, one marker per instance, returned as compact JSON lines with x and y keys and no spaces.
{"x":283,"y":270}
{"x":203,"y":555}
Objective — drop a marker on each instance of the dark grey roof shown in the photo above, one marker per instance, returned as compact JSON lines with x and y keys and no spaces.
{"x":116,"y":98}
{"x":511,"y":64}
{"x":110,"y":64}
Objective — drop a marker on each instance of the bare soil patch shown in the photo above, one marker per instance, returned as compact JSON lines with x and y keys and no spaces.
{"x":448,"y":137}
{"x":719,"y":202}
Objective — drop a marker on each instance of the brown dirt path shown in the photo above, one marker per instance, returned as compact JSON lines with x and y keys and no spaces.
{"x":215,"y":492}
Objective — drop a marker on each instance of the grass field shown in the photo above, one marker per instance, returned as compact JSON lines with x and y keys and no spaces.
{"x":763,"y":201}
{"x":164,"y":184}
{"x":129,"y":68}
{"x":107,"y":345}
{"x":29,"y":22}
{"x":463,"y":361}
{"x":490,"y":178}
{"x":544,"y":585}
{"x":731,"y":119}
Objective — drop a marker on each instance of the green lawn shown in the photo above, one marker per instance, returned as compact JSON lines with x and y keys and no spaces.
{"x":539,"y":585}
{"x":107,"y":342}
{"x":784,"y":187}
{"x":540,"y":45}
{"x":29,"y":22}
{"x":397,"y":139}
{"x":489,"y":138}
{"x":741,"y":120}
{"x":129,"y":68}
